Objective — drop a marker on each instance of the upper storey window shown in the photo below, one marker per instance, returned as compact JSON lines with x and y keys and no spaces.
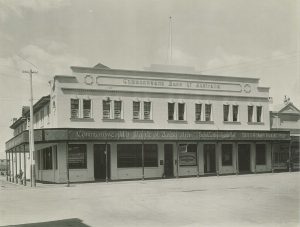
{"x":259,"y":113}
{"x":235,"y":113}
{"x":112,"y":109}
{"x":106,"y":109}
{"x":74,"y":108}
{"x":117,"y":109}
{"x":198,"y":111}
{"x":176,"y":111}
{"x":208,"y":112}
{"x":250,"y":113}
{"x":136,"y":110}
{"x":87,"y":108}
{"x":147,"y":110}
{"x":81,"y":108}
{"x":226,"y":112}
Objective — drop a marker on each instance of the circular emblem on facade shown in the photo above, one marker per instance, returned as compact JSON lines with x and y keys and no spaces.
{"x":247,"y":88}
{"x":88,"y":79}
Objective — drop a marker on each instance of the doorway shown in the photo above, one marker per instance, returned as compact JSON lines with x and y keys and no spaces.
{"x":209,"y":158}
{"x":168,"y":166}
{"x":244,"y":157}
{"x":100,"y":167}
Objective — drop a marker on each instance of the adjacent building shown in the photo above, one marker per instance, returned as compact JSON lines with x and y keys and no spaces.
{"x":110,"y":124}
{"x":286,"y":117}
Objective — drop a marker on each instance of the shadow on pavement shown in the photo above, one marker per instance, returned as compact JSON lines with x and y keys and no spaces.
{"x":59,"y":223}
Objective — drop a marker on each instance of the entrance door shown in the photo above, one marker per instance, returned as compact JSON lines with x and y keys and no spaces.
{"x":100,"y":167}
{"x":168,"y":167}
{"x":209,"y":158}
{"x":244,"y":157}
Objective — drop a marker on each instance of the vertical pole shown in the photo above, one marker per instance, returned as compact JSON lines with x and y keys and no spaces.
{"x":13,"y":166}
{"x":6,"y":160}
{"x":290,"y":156}
{"x":20,"y":168}
{"x":255,"y":157}
{"x":272,"y":158}
{"x":237,"y":158}
{"x":143,"y":164}
{"x":10,"y":166}
{"x":24,"y":166}
{"x":217,"y":158}
{"x":198,"y":159}
{"x":177,"y":166}
{"x":106,"y":161}
{"x":31,"y":141}
{"x":16,"y":157}
{"x":67,"y":164}
{"x":170,"y":41}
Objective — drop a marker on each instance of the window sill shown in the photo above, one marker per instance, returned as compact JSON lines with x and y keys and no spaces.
{"x":82,"y":119}
{"x":232,"y":122}
{"x":204,"y":122}
{"x":113,"y":120}
{"x":256,"y":123}
{"x":177,"y":121}
{"x":142,"y":121}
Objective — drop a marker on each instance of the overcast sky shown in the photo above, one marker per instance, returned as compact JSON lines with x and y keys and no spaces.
{"x":257,"y":38}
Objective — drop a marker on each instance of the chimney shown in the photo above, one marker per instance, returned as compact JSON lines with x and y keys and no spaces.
{"x":24,"y":110}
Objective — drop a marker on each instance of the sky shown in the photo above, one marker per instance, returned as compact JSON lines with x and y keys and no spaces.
{"x":257,"y":38}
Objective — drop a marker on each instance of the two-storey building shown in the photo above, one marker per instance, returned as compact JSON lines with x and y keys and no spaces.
{"x":101,"y":123}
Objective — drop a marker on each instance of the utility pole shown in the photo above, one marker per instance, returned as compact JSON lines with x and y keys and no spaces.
{"x":31,"y":132}
{"x":170,"y":42}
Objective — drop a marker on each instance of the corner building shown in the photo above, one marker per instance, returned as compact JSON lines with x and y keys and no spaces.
{"x":101,"y":123}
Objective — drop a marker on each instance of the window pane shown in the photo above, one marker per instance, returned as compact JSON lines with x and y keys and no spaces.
{"x":150,"y":155}
{"x":129,"y":155}
{"x":86,"y":108}
{"x":147,"y":110}
{"x":106,"y":109}
{"x":235,"y":112}
{"x":207,"y":112}
{"x":227,"y":154}
{"x":136,"y":110}
{"x":250,"y":113}
{"x":47,"y":158}
{"x":260,"y":154}
{"x":181,"y":111}
{"x":171,"y":109}
{"x":258,"y":113}
{"x":77,"y":158}
{"x":226,"y":112}
{"x":74,"y":108}
{"x":117,"y":109}
{"x":188,"y":156}
{"x":198,"y":108}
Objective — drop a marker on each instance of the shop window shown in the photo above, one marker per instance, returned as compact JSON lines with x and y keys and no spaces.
{"x":260,"y":154}
{"x":136,"y":110}
{"x":106,"y":109}
{"x":235,"y":113}
{"x":181,"y":111}
{"x":77,"y":158}
{"x":171,"y":111}
{"x":74,"y":108}
{"x":250,"y":113}
{"x":117,"y":109}
{"x":208,"y":112}
{"x":129,"y":155}
{"x":259,"y":113}
{"x":47,"y":158}
{"x":150,"y":155}
{"x":226,"y":154}
{"x":187,"y":154}
{"x":87,"y":106}
{"x":147,"y":110}
{"x":198,"y":110}
{"x":225,"y":112}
